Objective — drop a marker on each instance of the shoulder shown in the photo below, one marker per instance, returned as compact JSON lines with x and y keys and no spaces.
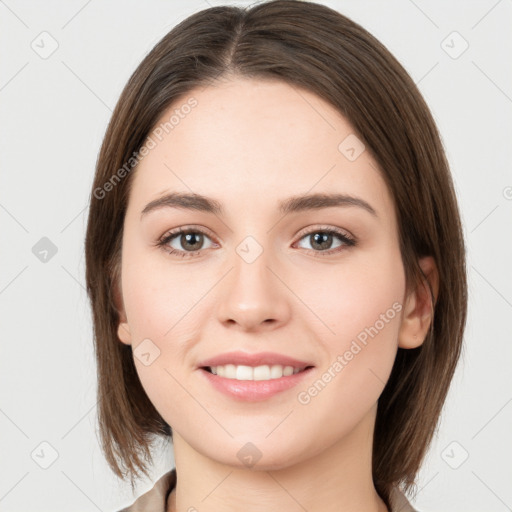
{"x":399,"y":502}
{"x":155,"y":499}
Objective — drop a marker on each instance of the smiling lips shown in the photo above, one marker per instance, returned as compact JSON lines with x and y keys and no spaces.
{"x":253,"y":376}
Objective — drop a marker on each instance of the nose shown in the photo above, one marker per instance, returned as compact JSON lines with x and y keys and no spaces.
{"x":253,"y":295}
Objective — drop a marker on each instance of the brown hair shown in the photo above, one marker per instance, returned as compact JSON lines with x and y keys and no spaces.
{"x":311,"y":46}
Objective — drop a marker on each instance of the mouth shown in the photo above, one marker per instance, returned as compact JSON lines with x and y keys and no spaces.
{"x":254,"y":383}
{"x":254,"y":373}
{"x":254,"y":376}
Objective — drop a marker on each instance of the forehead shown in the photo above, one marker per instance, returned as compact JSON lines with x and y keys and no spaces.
{"x":260,"y":140}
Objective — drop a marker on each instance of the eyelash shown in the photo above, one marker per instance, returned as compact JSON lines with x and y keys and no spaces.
{"x":347,"y":240}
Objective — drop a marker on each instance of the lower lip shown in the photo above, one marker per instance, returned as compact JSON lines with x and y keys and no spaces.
{"x":254,"y":390}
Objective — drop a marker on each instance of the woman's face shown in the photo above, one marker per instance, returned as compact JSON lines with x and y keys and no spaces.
{"x":261,"y":273}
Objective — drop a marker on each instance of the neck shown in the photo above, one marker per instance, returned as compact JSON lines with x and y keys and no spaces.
{"x":338,"y":479}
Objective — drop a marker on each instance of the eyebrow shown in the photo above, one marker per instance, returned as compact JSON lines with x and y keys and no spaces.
{"x":192,"y":201}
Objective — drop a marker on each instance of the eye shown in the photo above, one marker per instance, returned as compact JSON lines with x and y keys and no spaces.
{"x":323,"y":241}
{"x":184,"y":242}
{"x":188,"y":242}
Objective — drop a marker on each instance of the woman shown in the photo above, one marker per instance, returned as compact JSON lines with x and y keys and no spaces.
{"x":276,"y":267}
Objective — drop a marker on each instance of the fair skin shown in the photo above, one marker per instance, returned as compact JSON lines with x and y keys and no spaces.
{"x":250,"y":144}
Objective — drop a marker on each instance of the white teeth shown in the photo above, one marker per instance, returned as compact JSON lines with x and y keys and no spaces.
{"x":288,"y":370}
{"x":261,"y":373}
{"x":244,"y":373}
{"x":276,"y":371}
{"x":265,"y":372}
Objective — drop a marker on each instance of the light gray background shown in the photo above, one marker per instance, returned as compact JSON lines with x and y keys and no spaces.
{"x":54,"y":112}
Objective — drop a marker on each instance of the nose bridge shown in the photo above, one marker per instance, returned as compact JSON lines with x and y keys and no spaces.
{"x":253,"y":295}
{"x":251,"y":264}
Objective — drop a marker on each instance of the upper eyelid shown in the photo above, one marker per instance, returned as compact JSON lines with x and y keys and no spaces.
{"x":314,"y":229}
{"x":192,"y":229}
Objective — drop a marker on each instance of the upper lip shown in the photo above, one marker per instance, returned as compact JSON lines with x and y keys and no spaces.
{"x":257,"y":359}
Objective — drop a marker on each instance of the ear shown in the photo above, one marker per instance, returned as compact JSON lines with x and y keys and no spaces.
{"x":123,"y":329}
{"x":419,"y":307}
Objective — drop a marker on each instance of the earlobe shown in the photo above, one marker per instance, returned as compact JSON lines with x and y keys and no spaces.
{"x":419,"y":307}
{"x":123,"y":329}
{"x":124,"y":334}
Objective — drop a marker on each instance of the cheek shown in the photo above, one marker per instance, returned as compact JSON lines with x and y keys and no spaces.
{"x":163,"y":305}
{"x":360,"y":311}
{"x":352,"y":296}
{"x":158,"y":294}
{"x":156,"y":305}
{"x":364,"y":312}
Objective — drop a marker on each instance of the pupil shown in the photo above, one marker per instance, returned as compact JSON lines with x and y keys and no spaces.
{"x":322,"y":240}
{"x":192,"y":239}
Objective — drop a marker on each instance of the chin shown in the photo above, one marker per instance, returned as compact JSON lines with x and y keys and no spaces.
{"x":258,"y":456}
